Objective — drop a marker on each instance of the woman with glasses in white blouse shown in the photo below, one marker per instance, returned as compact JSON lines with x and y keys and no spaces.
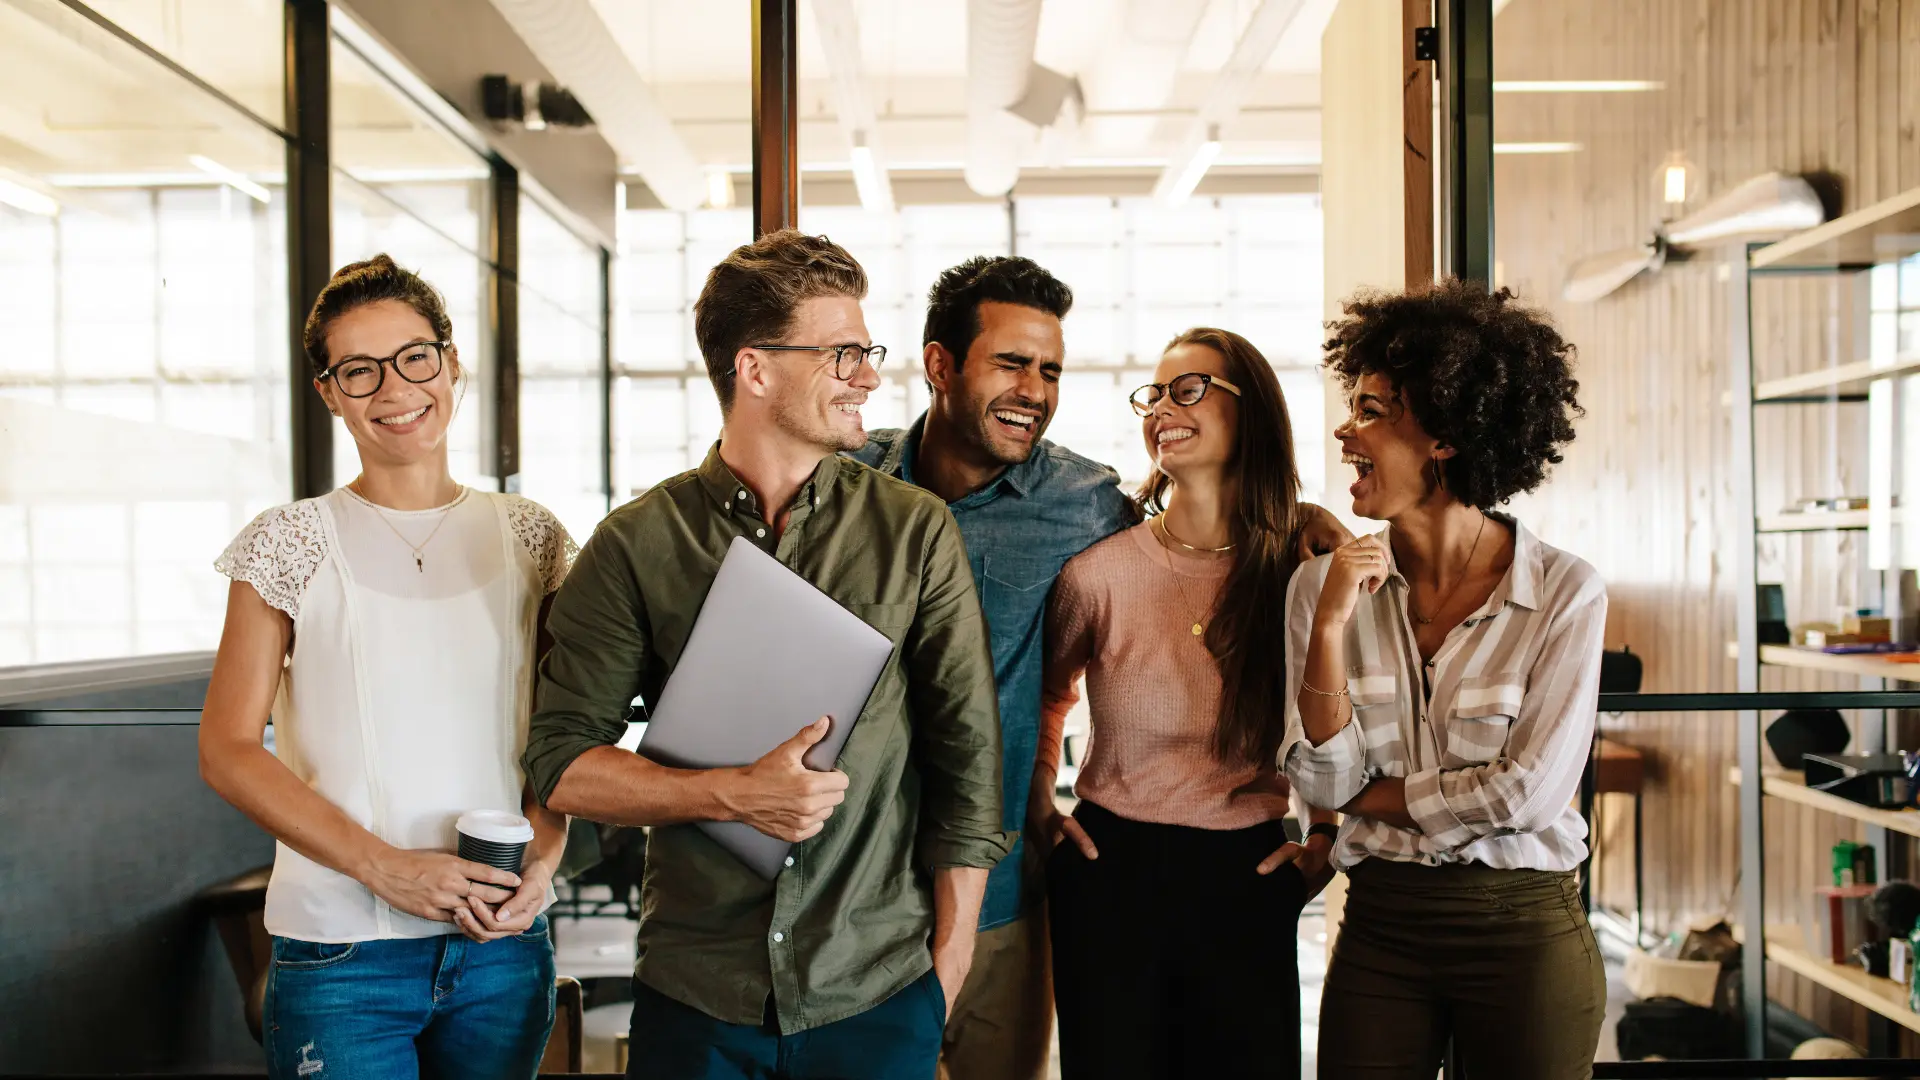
{"x":388,"y":628}
{"x":1441,"y":680}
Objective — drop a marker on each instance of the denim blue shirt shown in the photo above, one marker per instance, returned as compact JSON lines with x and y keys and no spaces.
{"x":1019,"y":531}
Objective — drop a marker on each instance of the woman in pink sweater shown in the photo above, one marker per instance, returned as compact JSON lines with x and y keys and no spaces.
{"x":1175,"y":894}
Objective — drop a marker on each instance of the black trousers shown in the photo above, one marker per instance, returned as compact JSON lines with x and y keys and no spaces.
{"x":1172,"y":958}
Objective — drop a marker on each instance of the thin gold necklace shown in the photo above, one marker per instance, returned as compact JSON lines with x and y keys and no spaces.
{"x":419,"y":560}
{"x":1442,"y":605}
{"x":1168,"y":533}
{"x":1199,"y":625}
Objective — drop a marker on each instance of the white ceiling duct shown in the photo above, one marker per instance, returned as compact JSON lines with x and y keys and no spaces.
{"x":1000,"y":40}
{"x":1139,"y":65}
{"x":570,"y":38}
{"x":839,"y":29}
{"x":1768,"y":205}
{"x":1597,"y":275}
{"x":1262,"y":33}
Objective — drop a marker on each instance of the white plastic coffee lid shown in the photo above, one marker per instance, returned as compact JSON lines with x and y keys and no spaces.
{"x":495,"y":826}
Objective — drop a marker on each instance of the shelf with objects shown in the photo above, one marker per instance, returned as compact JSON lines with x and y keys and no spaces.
{"x":1838,"y":563}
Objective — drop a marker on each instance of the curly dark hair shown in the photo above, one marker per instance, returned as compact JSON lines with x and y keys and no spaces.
{"x":953,"y":303}
{"x":1481,"y":372}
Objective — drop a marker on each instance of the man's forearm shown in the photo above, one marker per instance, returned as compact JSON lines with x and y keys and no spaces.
{"x":617,"y":787}
{"x":958,"y":892}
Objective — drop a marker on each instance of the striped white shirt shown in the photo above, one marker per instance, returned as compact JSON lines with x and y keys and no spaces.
{"x":1493,"y":754}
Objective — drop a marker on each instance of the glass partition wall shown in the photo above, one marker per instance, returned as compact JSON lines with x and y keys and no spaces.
{"x":143,"y":322}
{"x":146,"y":386}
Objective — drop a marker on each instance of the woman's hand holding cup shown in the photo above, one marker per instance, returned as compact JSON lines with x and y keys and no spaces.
{"x":435,"y":885}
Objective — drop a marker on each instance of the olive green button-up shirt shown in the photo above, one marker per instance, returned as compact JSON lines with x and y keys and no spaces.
{"x":848,"y":922}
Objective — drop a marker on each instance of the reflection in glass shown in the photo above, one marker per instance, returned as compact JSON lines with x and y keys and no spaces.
{"x":143,"y":340}
{"x":237,"y":46}
{"x":562,"y":389}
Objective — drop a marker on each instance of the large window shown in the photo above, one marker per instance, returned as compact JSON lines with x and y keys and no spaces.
{"x":1140,"y":274}
{"x":143,"y":395}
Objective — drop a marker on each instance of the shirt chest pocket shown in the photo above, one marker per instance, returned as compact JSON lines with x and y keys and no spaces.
{"x":1013,"y":593}
{"x":1373,"y":686}
{"x":1483,"y":713}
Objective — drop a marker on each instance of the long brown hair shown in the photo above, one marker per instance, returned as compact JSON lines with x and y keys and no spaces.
{"x":1247,"y":634}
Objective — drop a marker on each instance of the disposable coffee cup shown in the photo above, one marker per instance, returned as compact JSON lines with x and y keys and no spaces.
{"x":494,"y":838}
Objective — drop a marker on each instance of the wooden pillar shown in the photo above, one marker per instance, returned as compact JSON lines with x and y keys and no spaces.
{"x":309,"y":231}
{"x":1416,"y":83}
{"x":776,"y":127}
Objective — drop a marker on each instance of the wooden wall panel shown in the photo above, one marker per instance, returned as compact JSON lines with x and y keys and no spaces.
{"x":1810,"y":86}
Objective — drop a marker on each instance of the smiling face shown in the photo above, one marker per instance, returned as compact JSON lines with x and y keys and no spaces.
{"x":804,"y":399}
{"x":402,"y":422}
{"x":1004,"y":396}
{"x":1391,"y":454}
{"x":1184,"y":439}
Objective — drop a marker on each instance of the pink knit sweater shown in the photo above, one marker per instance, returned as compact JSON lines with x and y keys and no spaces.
{"x":1122,"y":614}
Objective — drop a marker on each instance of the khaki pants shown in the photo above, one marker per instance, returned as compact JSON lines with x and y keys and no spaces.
{"x":1002,"y":1023}
{"x":1500,"y":962}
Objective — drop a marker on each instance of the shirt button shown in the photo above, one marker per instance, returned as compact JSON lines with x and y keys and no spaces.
{"x":778,"y":937}
{"x":760,"y":532}
{"x":789,"y":860}
{"x":726,"y":506}
{"x":742,"y":496}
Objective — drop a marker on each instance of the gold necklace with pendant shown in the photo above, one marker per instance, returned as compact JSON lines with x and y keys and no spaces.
{"x":1199,"y":626}
{"x":419,"y":556}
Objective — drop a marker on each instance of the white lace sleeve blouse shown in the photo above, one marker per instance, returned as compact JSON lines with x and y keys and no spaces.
{"x":409,"y":682}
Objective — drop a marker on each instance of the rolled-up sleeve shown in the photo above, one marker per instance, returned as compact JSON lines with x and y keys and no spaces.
{"x":592,"y":671}
{"x":1334,"y":772}
{"x":956,"y":715}
{"x":1547,"y":746}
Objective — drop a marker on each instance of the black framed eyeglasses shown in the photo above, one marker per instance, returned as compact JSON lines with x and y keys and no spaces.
{"x":846,"y":358}
{"x":362,"y":376}
{"x":1185,"y":389}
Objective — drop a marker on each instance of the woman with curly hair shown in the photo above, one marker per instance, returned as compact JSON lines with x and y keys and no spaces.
{"x":1441,"y":681}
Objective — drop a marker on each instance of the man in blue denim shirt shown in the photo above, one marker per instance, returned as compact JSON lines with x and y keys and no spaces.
{"x":993,"y":353}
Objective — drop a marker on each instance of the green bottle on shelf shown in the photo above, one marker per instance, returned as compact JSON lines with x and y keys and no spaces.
{"x":1913,"y":979}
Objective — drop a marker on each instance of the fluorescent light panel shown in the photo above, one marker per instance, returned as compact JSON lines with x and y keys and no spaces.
{"x":1576,"y":86}
{"x":1196,"y":168}
{"x":1537,"y":148}
{"x":230,"y":178}
{"x":22,"y":197}
{"x":874,"y":196}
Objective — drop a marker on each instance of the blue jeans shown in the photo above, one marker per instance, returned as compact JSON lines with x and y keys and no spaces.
{"x":408,"y":1007}
{"x":898,"y":1039}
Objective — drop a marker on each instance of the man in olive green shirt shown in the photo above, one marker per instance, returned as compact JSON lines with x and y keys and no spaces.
{"x":864,"y":939}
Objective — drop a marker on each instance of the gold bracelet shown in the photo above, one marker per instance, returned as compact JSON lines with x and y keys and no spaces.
{"x":1308,"y":687}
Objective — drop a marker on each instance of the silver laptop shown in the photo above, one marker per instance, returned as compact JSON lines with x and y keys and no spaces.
{"x":769,"y":654}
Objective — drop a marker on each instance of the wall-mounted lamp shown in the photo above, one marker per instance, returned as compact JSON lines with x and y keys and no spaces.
{"x":1676,"y":180}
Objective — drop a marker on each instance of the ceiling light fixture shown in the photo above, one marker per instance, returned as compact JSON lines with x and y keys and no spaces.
{"x":1576,"y":86}
{"x":230,"y":178}
{"x":22,"y":197}
{"x":1200,"y":158}
{"x":1537,"y":147}
{"x":719,"y":189}
{"x":874,"y":195}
